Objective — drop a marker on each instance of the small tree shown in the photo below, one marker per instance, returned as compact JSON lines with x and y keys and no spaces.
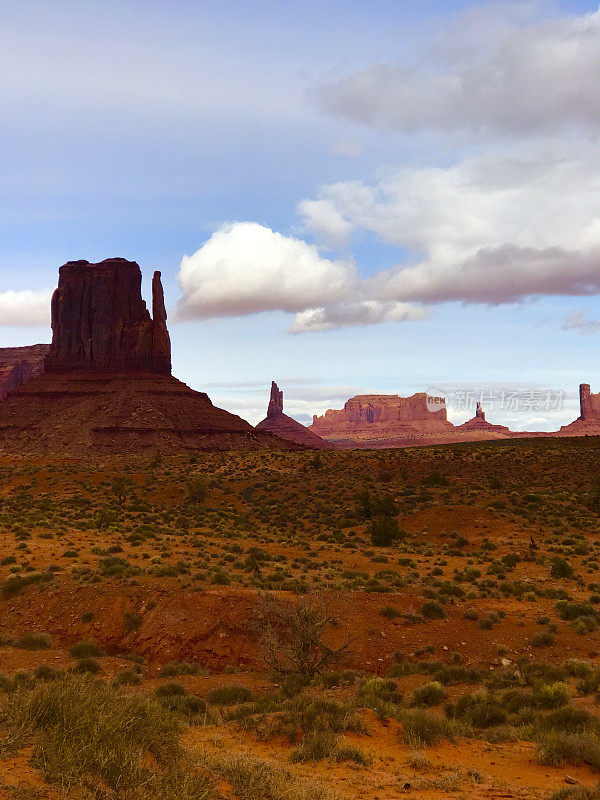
{"x":291,"y":636}
{"x":120,"y":486}
{"x":197,"y":488}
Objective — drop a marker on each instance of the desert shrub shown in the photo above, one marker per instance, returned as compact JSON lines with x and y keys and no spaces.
{"x":316,"y":746}
{"x":292,"y":637}
{"x":422,"y":728}
{"x":132,"y":621}
{"x":349,"y":752}
{"x":375,"y":691}
{"x":117,"y":567}
{"x":384,"y":531}
{"x":128,"y":677}
{"x":552,"y":695}
{"x":543,"y":639}
{"x":196,"y":489}
{"x":390,"y":613}
{"x":46,"y":673}
{"x":435,"y":479}
{"x":16,"y":584}
{"x":34,"y":641}
{"x":431,"y":694}
{"x":229,"y":695}
{"x":479,"y":709}
{"x":90,"y":665}
{"x":567,"y":720}
{"x":174,"y":668}
{"x":254,"y":779}
{"x":576,"y":793}
{"x":433,"y":610}
{"x":556,"y":749}
{"x":86,"y":650}
{"x":175,"y":697}
{"x":561,"y":568}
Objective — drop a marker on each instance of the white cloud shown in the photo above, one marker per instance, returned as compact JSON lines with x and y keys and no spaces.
{"x":325,"y":219}
{"x":579,"y":321}
{"x":534,"y":77}
{"x":365,"y":312}
{"x":25,"y":308}
{"x":245,"y":268}
{"x":492,"y":229}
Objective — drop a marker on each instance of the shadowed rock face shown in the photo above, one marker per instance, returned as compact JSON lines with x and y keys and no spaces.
{"x":101,"y":324}
{"x":20,"y":364}
{"x":589,"y":404}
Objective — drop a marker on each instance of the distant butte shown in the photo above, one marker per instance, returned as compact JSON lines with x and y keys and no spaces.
{"x":285,"y":427}
{"x":588,"y":422}
{"x":106,"y":382}
{"x":479,"y":423}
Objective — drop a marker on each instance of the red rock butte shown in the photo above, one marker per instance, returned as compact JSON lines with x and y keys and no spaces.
{"x":287,"y":428}
{"x":105,"y":382}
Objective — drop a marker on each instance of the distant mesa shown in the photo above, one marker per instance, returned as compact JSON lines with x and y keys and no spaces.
{"x":379,"y":420}
{"x":105,"y":381}
{"x":285,"y":427}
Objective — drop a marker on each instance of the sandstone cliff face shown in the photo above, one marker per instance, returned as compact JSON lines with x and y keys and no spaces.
{"x":20,"y":364}
{"x":101,"y":324}
{"x":287,"y":428}
{"x":275,"y":408}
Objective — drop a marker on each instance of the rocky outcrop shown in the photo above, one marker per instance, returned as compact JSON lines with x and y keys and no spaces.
{"x":19,"y":365}
{"x":287,"y":428}
{"x":101,"y":324}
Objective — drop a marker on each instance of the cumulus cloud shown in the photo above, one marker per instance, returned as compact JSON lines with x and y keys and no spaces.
{"x":491,"y":229}
{"x":26,"y":308}
{"x":540,"y":77}
{"x":579,"y":321}
{"x":245,"y":268}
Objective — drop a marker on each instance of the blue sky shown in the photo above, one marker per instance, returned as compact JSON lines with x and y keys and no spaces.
{"x":412,"y":187}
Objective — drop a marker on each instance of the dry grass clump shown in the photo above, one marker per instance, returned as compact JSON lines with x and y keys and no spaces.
{"x":89,"y":735}
{"x":254,"y":779}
